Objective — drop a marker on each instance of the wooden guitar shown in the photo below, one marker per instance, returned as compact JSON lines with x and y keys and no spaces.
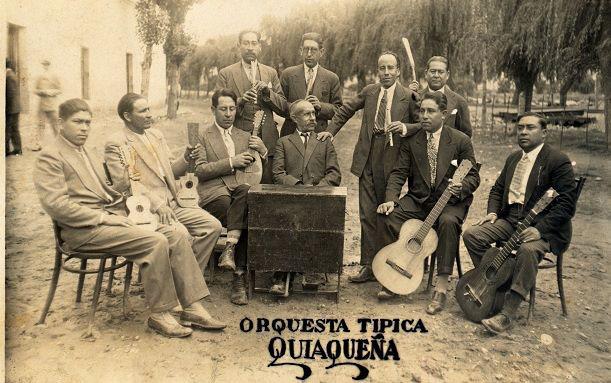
{"x":399,"y":266}
{"x":187,"y":185}
{"x":138,"y":204}
{"x":252,"y":174}
{"x":479,"y":292}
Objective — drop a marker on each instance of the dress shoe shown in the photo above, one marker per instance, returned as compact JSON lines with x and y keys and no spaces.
{"x":14,"y":153}
{"x":238,"y":290}
{"x":165,"y":324}
{"x":437,"y":304}
{"x":199,"y":321}
{"x":364,"y":275}
{"x":384,"y":294}
{"x":226,"y":260}
{"x":498,"y":323}
{"x":278,"y":288}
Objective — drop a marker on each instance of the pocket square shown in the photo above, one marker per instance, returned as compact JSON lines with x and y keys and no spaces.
{"x":454,"y":162}
{"x":454,"y":111}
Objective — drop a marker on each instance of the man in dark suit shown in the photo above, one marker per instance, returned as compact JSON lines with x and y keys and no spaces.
{"x":526,"y":176}
{"x":311,"y":82}
{"x":11,"y":111}
{"x":390,"y":113}
{"x":437,"y":74}
{"x":427,"y":162}
{"x":258,"y":88}
{"x":301,"y":159}
{"x":224,"y":150}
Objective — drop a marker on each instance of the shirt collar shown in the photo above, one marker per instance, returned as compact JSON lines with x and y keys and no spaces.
{"x":390,"y":89}
{"x":305,"y":68}
{"x":222,"y":130}
{"x":71,"y":145}
{"x":442,"y":89}
{"x":436,"y":135}
{"x":300,"y":132}
{"x":532,"y":155}
{"x":247,"y":65}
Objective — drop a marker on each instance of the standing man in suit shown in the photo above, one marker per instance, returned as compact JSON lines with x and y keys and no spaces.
{"x":258,"y":88}
{"x":390,"y":113}
{"x":311,"y":82}
{"x":528,"y":173}
{"x":11,"y":111}
{"x":426,"y":164}
{"x":437,"y":74}
{"x":47,"y":88}
{"x":158,"y":172}
{"x":223,"y":150}
{"x":92,"y":217}
{"x":301,"y":159}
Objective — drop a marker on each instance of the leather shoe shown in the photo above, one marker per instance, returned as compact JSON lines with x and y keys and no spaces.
{"x":277,"y":288}
{"x":165,"y":324}
{"x":384,"y":294}
{"x":238,"y":290}
{"x":364,"y":275}
{"x":498,"y":323}
{"x":226,"y":260}
{"x":437,"y":304}
{"x":198,"y":321}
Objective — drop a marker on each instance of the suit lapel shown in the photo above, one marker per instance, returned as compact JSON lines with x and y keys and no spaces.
{"x":296,"y":140}
{"x":240,"y":79}
{"x":217,"y":143}
{"x":535,"y":173}
{"x":163,"y":158}
{"x":398,"y":99}
{"x":445,"y":152}
{"x":312,"y":142}
{"x":147,"y":157}
{"x":76,"y":161}
{"x":421,"y":156}
{"x":370,"y":110}
{"x":511,"y":168}
{"x":300,"y":84}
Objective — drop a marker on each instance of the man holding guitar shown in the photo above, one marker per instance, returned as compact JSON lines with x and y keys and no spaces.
{"x":527,"y":175}
{"x":223,"y":154}
{"x":427,"y":160}
{"x":157,"y":171}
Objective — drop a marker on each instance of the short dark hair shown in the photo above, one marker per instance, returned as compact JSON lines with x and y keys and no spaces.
{"x":245,"y":31}
{"x":312,"y":36}
{"x":439,"y":59}
{"x":440,"y":99}
{"x":223,"y":92}
{"x":73,"y":106}
{"x":126,"y":104}
{"x":542,"y":119}
{"x":392,"y":54}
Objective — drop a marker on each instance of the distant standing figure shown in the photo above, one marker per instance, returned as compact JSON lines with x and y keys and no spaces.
{"x":11,"y":111}
{"x":47,"y":88}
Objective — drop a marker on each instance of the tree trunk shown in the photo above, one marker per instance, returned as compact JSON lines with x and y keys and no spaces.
{"x":529,"y":85}
{"x":146,"y":71}
{"x":172,"y":76}
{"x":564,"y":90}
{"x":484,"y":91}
{"x":516,"y":95}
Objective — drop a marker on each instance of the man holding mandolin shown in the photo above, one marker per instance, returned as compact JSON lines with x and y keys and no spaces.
{"x":427,"y":160}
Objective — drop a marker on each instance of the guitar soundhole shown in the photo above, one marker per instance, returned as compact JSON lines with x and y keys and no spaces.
{"x":189,"y":184}
{"x":139,"y":208}
{"x":413,"y":245}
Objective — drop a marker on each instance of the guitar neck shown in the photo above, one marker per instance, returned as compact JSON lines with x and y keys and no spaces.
{"x":433,"y":215}
{"x":513,"y":243}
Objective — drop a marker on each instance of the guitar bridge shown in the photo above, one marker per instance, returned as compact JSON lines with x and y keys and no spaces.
{"x":469,"y":292}
{"x":398,"y":269}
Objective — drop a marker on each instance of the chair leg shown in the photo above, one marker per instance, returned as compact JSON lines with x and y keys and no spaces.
{"x":531,"y":304}
{"x":128,"y":281}
{"x":561,"y":284}
{"x":96,"y":296}
{"x":111,"y":275}
{"x":458,"y":266}
{"x":431,"y":272}
{"x":81,"y":281}
{"x":54,"y":279}
{"x":139,"y":279}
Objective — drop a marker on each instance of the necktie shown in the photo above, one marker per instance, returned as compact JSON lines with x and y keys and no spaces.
{"x":381,"y":116}
{"x":310,"y":81}
{"x":305,"y":140}
{"x":432,"y":153}
{"x":518,"y":178}
{"x":228,"y":143}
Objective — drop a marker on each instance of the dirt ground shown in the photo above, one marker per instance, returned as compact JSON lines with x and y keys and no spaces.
{"x":453,"y":350}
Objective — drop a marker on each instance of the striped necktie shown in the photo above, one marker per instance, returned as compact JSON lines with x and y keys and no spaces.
{"x":381,"y":116}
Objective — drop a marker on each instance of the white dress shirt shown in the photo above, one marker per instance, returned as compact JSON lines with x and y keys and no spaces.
{"x":532,"y":156}
{"x":436,"y":137}
{"x":228,"y":141}
{"x":389,"y":97}
{"x":305,"y":71}
{"x":248,"y":68}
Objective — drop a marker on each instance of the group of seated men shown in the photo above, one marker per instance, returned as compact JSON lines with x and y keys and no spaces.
{"x":405,"y":137}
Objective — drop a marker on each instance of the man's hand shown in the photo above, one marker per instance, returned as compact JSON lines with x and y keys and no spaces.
{"x":256,"y":143}
{"x":314,"y":101}
{"x":250,"y":96}
{"x":116,"y":220}
{"x":386,"y":208}
{"x":491,"y":217}
{"x":199,"y":154}
{"x":395,"y":127}
{"x":322,"y":136}
{"x":530,"y":234}
{"x":166,"y":215}
{"x":242,"y":160}
{"x":189,"y":153}
{"x":455,"y":189}
{"x":414,"y":86}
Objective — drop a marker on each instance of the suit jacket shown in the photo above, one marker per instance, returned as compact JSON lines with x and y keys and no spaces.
{"x":459,"y":120}
{"x":326,"y":88}
{"x":552,"y":168}
{"x":215,"y":175}
{"x":69,"y":194}
{"x":13,"y":105}
{"x":160,"y":190}
{"x":413,"y":166}
{"x":403,"y":108}
{"x":315,"y":165}
{"x":234,"y":78}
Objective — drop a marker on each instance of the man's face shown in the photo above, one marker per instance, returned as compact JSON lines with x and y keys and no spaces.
{"x":305,"y":117}
{"x":75,"y":128}
{"x":250,"y":47}
{"x":224,"y":113}
{"x":431,"y":118}
{"x":388,"y":70}
{"x":530,"y":133}
{"x":140,"y":117}
{"x":310,"y":53}
{"x":437,"y":75}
